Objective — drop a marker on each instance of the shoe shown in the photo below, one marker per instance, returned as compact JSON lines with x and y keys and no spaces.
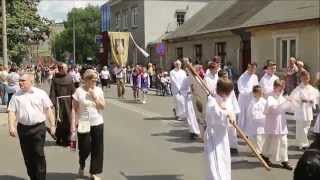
{"x":143,"y":102}
{"x":303,"y":148}
{"x":193,"y":136}
{"x":94,"y":177}
{"x":234,"y":151}
{"x":267,"y":160}
{"x":286,"y":165}
{"x":81,"y":172}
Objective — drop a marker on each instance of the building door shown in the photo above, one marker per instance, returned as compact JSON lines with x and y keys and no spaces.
{"x":246,"y":54}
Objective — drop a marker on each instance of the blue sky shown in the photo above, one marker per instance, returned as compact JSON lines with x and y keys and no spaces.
{"x":58,"y":9}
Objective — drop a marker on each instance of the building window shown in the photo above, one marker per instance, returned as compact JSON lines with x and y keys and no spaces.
{"x":288,"y":48}
{"x":221,"y":51}
{"x":125,"y":17}
{"x":134,"y":16}
{"x":198,"y":52}
{"x":179,"y":53}
{"x":180,"y":18}
{"x":118,"y":20}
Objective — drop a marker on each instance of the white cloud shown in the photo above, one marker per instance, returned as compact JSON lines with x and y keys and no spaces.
{"x":58,"y":9}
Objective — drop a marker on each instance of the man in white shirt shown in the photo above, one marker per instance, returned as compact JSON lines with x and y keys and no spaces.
{"x":246,"y":83}
{"x":29,"y":108}
{"x":177,"y":78}
{"x":105,"y":77}
{"x":119,"y":72}
{"x":268,"y":79}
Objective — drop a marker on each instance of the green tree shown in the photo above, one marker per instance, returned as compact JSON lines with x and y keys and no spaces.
{"x":87,"y":25}
{"x":24,"y":25}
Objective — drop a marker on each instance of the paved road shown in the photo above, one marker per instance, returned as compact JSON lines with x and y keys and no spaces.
{"x":142,"y":142}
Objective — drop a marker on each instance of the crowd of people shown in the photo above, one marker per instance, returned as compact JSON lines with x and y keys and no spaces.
{"x":261,"y":110}
{"x":259,"y":104}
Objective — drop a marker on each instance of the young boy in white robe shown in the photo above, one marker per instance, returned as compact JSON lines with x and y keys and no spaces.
{"x":268,"y":79}
{"x":232,"y":106}
{"x":256,"y":118}
{"x":216,"y":142}
{"x":275,"y":147}
{"x":305,"y":99}
{"x":177,"y":76}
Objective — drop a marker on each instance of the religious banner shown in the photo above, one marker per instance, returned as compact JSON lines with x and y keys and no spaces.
{"x":119,"y":43}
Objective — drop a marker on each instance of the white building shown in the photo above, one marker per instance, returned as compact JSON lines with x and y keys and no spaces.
{"x":149,"y":21}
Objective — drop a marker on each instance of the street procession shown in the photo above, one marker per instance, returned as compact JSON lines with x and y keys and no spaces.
{"x":160,"y":90}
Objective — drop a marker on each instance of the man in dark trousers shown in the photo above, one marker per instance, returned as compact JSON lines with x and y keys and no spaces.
{"x":62,"y":88}
{"x":28,"y":109}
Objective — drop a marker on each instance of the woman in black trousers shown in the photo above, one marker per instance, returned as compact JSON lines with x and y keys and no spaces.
{"x":87,"y":121}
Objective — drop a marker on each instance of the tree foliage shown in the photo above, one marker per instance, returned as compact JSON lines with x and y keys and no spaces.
{"x":87,"y":25}
{"x":24,"y":26}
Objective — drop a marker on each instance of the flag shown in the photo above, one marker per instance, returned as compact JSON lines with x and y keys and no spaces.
{"x":119,"y":47}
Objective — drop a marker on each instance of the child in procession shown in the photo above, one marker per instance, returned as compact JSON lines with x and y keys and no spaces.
{"x":216,"y":142}
{"x":256,"y":117}
{"x":144,"y":84}
{"x":275,"y":147}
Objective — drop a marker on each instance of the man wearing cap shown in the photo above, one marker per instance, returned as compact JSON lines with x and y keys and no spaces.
{"x":177,"y":78}
{"x":28,"y":110}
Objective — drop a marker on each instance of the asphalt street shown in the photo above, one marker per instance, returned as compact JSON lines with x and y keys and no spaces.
{"x":142,"y":142}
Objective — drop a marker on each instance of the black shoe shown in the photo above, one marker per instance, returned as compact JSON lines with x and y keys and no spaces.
{"x":267,"y":160}
{"x":193,"y":136}
{"x":286,"y":165}
{"x":234,"y":151}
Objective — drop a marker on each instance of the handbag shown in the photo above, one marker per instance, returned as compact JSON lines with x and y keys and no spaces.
{"x":84,"y":125}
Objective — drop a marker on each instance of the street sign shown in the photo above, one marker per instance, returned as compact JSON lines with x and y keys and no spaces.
{"x":99,"y":39}
{"x":161,"y":49}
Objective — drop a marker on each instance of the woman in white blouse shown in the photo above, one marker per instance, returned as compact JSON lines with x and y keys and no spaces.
{"x":87,"y":121}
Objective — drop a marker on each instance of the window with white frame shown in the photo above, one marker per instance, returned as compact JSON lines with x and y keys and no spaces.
{"x":118,"y":20}
{"x":288,"y":48}
{"x":180,"y":18}
{"x":134,"y":16}
{"x":125,"y":16}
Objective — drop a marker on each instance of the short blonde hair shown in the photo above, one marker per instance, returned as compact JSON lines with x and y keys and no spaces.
{"x":89,"y":74}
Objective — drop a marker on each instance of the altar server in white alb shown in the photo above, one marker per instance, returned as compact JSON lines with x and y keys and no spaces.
{"x":246,"y":82}
{"x":268,"y":79}
{"x":177,"y":77}
{"x":216,"y":142}
{"x":190,"y":112}
{"x":211,"y":77}
{"x":256,"y":118}
{"x":316,"y":127}
{"x":305,"y":98}
{"x":232,"y":106}
{"x":275,"y":147}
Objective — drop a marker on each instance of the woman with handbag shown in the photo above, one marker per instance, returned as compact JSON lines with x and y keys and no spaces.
{"x":87,"y":122}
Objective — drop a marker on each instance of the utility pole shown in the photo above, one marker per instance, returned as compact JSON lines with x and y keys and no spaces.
{"x":4,"y":33}
{"x":74,"y":35}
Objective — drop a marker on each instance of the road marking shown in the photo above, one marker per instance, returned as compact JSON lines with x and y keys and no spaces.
{"x":132,"y":108}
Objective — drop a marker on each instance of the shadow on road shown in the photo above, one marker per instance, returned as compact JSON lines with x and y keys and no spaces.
{"x":152,"y":177}
{"x":64,"y":176}
{"x":244,"y":164}
{"x":160,"y":118}
{"x":50,"y":176}
{"x":191,"y":149}
{"x":8,"y":177}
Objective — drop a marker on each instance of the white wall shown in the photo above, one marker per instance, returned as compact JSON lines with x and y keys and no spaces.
{"x":264,"y":47}
{"x":159,"y":15}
